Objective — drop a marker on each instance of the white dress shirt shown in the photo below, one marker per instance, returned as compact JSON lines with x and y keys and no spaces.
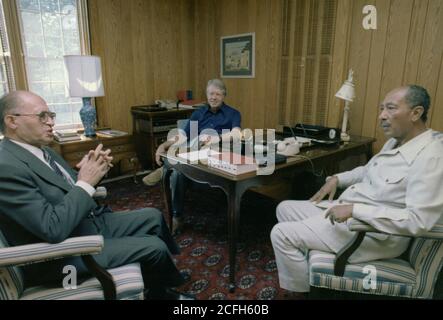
{"x":39,"y":154}
{"x":400,"y":190}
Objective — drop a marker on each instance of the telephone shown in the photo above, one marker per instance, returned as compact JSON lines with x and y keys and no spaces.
{"x":288,"y":147}
{"x":168,"y":104}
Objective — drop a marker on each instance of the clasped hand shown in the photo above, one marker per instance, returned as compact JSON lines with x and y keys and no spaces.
{"x":94,"y":165}
{"x":339,"y":213}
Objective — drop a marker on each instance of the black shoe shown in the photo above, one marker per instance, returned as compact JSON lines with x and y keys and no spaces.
{"x":169,"y":294}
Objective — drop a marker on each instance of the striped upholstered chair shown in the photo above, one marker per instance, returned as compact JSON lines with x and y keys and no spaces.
{"x":125,"y":282}
{"x":414,"y":276}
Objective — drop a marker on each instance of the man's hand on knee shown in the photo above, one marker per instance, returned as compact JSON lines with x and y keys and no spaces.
{"x":329,"y":188}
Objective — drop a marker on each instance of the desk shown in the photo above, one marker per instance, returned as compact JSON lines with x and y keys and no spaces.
{"x":234,"y":186}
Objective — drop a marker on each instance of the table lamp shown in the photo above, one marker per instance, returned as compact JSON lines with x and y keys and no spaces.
{"x":347,"y":93}
{"x":85,"y":81}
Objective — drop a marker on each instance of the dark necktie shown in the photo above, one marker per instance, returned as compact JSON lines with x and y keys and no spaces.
{"x":54,"y":166}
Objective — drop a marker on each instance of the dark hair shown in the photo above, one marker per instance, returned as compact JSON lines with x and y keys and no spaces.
{"x":8,"y":102}
{"x":418,"y":96}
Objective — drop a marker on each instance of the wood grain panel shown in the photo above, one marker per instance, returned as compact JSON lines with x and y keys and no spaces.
{"x":395,"y":53}
{"x":375,"y":70}
{"x":437,"y":116}
{"x":339,"y":62}
{"x":150,"y":49}
{"x":415,"y":41}
{"x":360,"y":43}
{"x":432,"y":49}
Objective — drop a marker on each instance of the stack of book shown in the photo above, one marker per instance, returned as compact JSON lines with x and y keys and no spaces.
{"x":66,"y":135}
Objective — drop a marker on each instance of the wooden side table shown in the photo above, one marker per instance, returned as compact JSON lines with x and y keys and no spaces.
{"x":150,"y":129}
{"x":122,"y":149}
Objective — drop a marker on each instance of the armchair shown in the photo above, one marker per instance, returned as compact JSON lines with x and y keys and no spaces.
{"x":124,"y":282}
{"x":413,"y":275}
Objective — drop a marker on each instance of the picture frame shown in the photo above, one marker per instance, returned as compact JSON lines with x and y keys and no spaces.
{"x":237,"y":56}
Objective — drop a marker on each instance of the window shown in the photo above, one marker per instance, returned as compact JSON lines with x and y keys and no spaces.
{"x":7,"y":82}
{"x":50,"y":29}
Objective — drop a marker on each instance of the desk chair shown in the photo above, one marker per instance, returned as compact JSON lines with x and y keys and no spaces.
{"x":414,"y":276}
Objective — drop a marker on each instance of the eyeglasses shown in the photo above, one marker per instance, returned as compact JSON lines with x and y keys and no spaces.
{"x":43,"y":116}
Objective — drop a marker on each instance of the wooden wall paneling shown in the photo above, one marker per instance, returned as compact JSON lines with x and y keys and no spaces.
{"x":229,"y":20}
{"x":142,"y":77}
{"x":162,"y":43}
{"x":112,"y":30}
{"x":373,"y":96}
{"x":436,"y":122}
{"x":187,"y":38}
{"x":273,"y":54}
{"x":415,"y":41}
{"x":326,"y":51}
{"x":360,"y":48}
{"x":339,"y":60}
{"x":298,"y":91}
{"x":200,"y":59}
{"x":395,"y":54}
{"x":288,"y":61}
{"x":314,"y":108}
{"x":255,"y":93}
{"x":432,"y":50}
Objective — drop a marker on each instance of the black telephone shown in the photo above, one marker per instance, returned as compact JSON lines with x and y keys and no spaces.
{"x":317,"y":133}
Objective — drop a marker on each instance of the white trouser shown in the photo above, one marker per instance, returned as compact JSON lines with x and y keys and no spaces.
{"x":302,"y":227}
{"x":292,"y":241}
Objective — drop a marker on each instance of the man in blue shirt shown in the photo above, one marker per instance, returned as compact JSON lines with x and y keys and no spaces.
{"x":217,"y":118}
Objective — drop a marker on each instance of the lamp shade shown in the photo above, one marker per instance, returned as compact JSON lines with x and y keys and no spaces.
{"x":84,"y":76}
{"x":347,"y":90}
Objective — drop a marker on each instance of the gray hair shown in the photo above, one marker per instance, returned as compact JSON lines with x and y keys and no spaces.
{"x":418,"y":96}
{"x":8,"y":102}
{"x":218,"y":84}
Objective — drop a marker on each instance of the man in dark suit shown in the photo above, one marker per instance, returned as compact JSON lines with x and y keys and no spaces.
{"x":43,"y":200}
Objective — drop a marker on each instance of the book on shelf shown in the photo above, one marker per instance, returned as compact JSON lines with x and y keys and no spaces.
{"x":59,"y":138}
{"x":66,"y":133}
{"x":232,"y":163}
{"x":112,"y":133}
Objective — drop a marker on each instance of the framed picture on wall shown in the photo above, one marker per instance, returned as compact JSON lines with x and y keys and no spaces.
{"x":238,"y":56}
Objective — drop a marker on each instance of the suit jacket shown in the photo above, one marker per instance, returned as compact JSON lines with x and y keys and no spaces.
{"x":37,"y":205}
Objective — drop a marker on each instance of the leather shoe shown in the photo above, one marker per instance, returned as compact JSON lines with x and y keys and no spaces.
{"x":154,"y":177}
{"x":169,"y":294}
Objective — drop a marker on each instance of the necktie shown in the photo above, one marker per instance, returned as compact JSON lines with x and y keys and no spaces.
{"x":54,"y":166}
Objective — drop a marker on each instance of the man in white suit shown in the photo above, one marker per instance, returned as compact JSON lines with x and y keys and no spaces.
{"x":399,"y":191}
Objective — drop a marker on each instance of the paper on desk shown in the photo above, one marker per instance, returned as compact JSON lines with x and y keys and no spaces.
{"x":202,"y":154}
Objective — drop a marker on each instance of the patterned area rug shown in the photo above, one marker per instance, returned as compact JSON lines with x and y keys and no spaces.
{"x":204,"y":259}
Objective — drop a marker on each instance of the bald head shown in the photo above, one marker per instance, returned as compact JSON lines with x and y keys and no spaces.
{"x":14,"y":101}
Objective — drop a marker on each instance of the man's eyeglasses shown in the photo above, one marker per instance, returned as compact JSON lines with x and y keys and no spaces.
{"x":43,"y":116}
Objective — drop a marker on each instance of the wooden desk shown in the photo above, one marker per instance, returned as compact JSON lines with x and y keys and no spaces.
{"x":234,"y":186}
{"x":122,"y":149}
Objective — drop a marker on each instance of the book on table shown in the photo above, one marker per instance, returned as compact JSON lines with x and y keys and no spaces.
{"x":66,"y":133}
{"x":232,"y":163}
{"x":59,"y":138}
